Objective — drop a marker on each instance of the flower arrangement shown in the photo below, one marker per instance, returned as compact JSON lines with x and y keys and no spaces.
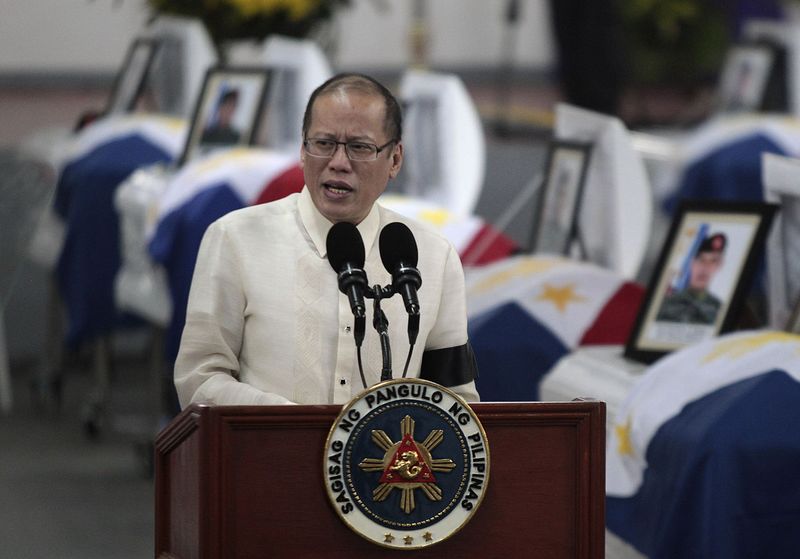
{"x":674,"y":40}
{"x":252,"y":19}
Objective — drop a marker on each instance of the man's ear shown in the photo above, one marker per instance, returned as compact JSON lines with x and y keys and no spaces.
{"x":397,"y":160}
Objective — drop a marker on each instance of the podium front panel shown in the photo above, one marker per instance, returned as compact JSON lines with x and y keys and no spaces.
{"x":247,"y":482}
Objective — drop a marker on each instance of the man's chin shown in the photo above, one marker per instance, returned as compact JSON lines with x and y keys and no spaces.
{"x":336,"y":213}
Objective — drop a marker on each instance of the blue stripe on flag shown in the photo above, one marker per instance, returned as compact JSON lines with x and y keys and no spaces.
{"x":732,"y":172}
{"x":175,"y":245}
{"x":514,"y":351}
{"x":722,"y":477}
{"x":90,"y":257}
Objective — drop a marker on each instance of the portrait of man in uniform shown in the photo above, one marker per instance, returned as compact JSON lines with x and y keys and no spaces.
{"x":220,"y":128}
{"x":695,"y":303}
{"x":228,"y":112}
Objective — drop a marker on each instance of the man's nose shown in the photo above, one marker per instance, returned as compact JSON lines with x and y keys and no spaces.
{"x":339,"y":157}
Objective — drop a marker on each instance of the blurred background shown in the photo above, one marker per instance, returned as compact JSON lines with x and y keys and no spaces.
{"x":652,"y":64}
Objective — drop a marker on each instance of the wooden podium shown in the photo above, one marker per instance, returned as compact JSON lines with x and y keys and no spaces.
{"x":247,"y":482}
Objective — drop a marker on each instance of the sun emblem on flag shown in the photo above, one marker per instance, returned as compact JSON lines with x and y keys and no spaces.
{"x":407,"y":465}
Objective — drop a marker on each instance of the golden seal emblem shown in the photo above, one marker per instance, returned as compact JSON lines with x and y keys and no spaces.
{"x":406,"y":464}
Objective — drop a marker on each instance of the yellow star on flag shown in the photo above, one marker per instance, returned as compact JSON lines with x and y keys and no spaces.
{"x":435,"y":217}
{"x":560,"y":296}
{"x":623,"y":432}
{"x":525,"y":267}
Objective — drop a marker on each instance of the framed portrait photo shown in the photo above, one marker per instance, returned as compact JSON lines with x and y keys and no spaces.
{"x":555,"y":228}
{"x":228,"y":111}
{"x":702,"y":276}
{"x":130,"y":81}
{"x":745,"y":75}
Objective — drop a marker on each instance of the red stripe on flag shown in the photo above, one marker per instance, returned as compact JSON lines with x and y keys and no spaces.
{"x":488,"y":245}
{"x":614,"y":323}
{"x":288,"y":182}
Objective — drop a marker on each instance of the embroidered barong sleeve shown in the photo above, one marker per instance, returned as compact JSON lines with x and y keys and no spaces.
{"x":207,"y":367}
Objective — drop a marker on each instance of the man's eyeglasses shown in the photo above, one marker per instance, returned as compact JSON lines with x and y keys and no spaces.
{"x":356,"y":151}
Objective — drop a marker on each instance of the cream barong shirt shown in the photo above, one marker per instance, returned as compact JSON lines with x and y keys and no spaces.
{"x":267,"y":324}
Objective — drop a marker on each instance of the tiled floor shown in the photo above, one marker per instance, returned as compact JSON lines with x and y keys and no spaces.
{"x":64,"y":494}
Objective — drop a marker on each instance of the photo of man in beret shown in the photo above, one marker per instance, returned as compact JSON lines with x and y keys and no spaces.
{"x":696,"y":304}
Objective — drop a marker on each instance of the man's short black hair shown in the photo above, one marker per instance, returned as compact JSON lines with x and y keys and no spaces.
{"x":393,"y":119}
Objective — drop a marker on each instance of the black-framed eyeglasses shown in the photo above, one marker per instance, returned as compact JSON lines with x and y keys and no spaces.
{"x":355,"y":151}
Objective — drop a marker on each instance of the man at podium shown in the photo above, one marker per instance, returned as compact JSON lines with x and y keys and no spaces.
{"x":266,"y":322}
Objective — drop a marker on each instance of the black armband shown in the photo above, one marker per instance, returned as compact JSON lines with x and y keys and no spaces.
{"x":449,"y":366}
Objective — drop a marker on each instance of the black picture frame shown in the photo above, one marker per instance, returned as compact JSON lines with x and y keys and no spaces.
{"x":130,"y":81}
{"x":747,"y":73}
{"x":555,"y":228}
{"x":676,"y":313}
{"x":250,"y":85}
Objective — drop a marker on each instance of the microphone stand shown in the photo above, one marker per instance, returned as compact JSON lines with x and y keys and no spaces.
{"x":381,"y":325}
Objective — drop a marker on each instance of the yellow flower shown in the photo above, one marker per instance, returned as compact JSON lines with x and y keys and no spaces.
{"x":296,"y":9}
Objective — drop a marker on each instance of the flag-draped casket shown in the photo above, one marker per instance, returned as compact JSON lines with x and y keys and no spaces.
{"x":704,"y":454}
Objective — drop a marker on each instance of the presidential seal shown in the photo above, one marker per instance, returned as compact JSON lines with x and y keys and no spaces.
{"x":406,"y":464}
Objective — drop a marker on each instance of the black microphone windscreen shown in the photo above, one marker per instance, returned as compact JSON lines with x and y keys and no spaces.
{"x":345,"y":246}
{"x":397,"y":245}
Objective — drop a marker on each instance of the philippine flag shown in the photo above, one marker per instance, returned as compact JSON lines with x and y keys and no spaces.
{"x":526,"y":312}
{"x":98,"y":160}
{"x":704,"y":457}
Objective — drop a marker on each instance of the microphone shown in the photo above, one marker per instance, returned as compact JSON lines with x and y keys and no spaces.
{"x":346,"y":257}
{"x":399,"y":256}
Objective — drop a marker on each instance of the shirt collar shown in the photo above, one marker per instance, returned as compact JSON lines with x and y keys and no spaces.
{"x":317,"y":225}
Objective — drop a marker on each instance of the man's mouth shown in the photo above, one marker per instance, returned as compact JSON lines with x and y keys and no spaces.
{"x":338,"y":188}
